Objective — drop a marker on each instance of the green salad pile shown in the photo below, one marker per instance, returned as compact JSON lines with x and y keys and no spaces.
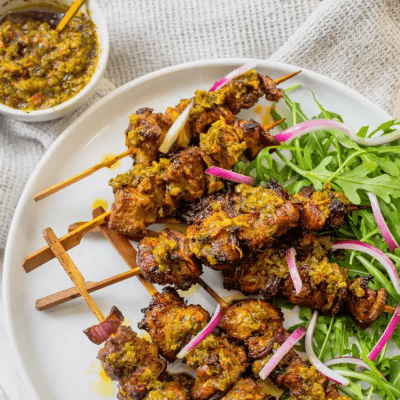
{"x":322,"y":158}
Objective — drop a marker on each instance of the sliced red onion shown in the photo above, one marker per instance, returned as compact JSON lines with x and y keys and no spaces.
{"x":319,"y":365}
{"x":282,"y":351}
{"x":386,"y":335}
{"x":294,"y":272}
{"x":328,"y":125}
{"x":202,"y":334}
{"x":175,"y":129}
{"x":390,"y":240}
{"x":374,"y":252}
{"x":232,"y":75}
{"x":101,"y":332}
{"x":230,"y":175}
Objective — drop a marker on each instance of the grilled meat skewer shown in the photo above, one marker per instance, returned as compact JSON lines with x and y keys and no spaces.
{"x":146,"y":130}
{"x":171,"y":323}
{"x":258,"y":325}
{"x":148,"y":192}
{"x":254,"y":323}
{"x":326,"y":286}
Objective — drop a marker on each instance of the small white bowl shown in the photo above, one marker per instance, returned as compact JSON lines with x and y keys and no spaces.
{"x":70,"y":105}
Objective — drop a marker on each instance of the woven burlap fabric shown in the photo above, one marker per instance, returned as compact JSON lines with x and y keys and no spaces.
{"x":356,"y":42}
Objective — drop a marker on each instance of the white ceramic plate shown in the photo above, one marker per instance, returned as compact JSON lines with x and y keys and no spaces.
{"x":50,"y":348}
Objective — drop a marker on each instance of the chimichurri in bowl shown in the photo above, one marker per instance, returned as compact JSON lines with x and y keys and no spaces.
{"x":44,"y":73}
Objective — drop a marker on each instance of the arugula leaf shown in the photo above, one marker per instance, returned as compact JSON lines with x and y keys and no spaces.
{"x":386,"y":127}
{"x":324,"y":113}
{"x":276,"y":116}
{"x":332,"y":157}
{"x":385,"y":164}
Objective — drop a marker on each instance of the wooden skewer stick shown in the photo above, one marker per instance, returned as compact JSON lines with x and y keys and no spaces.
{"x":72,"y":271}
{"x":273,"y":124}
{"x":76,"y":5}
{"x":128,"y":253}
{"x":389,"y":309}
{"x":125,"y":250}
{"x":72,"y":293}
{"x":76,"y":225}
{"x":213,"y":294}
{"x":91,"y":170}
{"x":135,"y":238}
{"x":68,"y":241}
{"x":286,"y":77}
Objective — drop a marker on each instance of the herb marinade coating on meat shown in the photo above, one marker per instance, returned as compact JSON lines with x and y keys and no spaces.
{"x":247,"y":389}
{"x":151,"y":191}
{"x":147,"y":130}
{"x":233,"y":232}
{"x":229,"y":224}
{"x":218,"y":364}
{"x":326,"y":286}
{"x":157,"y":185}
{"x":253,"y":331}
{"x":172,"y":323}
{"x":167,"y":260}
{"x":133,"y":361}
{"x":258,"y":326}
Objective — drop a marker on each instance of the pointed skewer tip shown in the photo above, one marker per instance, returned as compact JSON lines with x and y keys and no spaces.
{"x":286,"y":77}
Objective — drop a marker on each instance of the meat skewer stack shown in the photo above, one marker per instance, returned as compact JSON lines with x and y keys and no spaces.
{"x":219,"y":363}
{"x":230,"y":229}
{"x":165,"y":258}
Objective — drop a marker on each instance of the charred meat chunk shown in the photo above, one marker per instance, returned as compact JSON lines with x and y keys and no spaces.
{"x":135,"y":208}
{"x":255,"y":137}
{"x":145,"y":133}
{"x":185,"y":381}
{"x":245,"y":91}
{"x":325,"y":284}
{"x":234,"y":224}
{"x":294,"y":375}
{"x":214,"y":241}
{"x":195,"y":211}
{"x":254,"y":322}
{"x":247,"y":389}
{"x":168,"y":391}
{"x":140,"y":198}
{"x":264,"y":275}
{"x":262,"y":216}
{"x":167,"y":260}
{"x":125,"y":354}
{"x":222,"y":145}
{"x":185,"y":175}
{"x":324,"y":209}
{"x":365,"y":304}
{"x":218,"y":365}
{"x":171,"y":323}
{"x":200,"y":122}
